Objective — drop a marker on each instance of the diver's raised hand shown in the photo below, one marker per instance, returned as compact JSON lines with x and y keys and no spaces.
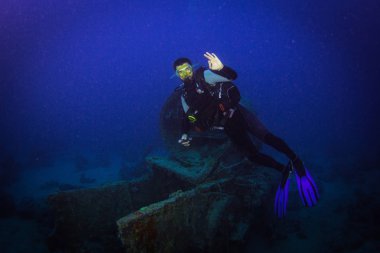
{"x":213,"y":61}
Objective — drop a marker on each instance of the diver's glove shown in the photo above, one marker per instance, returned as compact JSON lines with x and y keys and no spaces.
{"x":185,"y":140}
{"x":306,"y":186}
{"x":281,"y":199}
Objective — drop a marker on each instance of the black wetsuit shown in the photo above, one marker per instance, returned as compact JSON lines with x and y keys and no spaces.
{"x":210,"y":103}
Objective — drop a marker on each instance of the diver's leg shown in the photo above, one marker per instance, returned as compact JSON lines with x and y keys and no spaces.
{"x":306,"y":185}
{"x":280,"y":145}
{"x":257,"y":129}
{"x":239,"y":135}
{"x":236,"y":130}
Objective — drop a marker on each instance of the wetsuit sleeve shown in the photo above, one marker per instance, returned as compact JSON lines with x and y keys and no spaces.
{"x":185,"y":124}
{"x":226,"y":72}
{"x":185,"y":127}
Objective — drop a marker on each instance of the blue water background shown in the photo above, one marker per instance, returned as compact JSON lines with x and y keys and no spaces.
{"x":79,"y":77}
{"x":94,"y":74}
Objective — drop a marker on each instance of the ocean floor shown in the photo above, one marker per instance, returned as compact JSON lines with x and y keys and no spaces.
{"x":21,"y":236}
{"x":345,"y":219}
{"x":64,"y":175}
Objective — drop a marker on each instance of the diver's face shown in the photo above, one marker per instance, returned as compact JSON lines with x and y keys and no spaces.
{"x":184,"y":71}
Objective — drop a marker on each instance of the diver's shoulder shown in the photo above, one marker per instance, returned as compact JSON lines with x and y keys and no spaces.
{"x":200,"y":69}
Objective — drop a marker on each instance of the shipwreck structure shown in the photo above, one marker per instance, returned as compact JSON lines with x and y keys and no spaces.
{"x":203,"y":198}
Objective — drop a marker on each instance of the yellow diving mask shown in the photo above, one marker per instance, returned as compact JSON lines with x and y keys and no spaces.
{"x":184,"y":71}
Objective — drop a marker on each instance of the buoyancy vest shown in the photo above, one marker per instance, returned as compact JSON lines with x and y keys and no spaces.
{"x":196,"y":93}
{"x":208,"y":102}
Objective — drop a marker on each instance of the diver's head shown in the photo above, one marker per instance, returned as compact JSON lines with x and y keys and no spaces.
{"x":183,"y":68}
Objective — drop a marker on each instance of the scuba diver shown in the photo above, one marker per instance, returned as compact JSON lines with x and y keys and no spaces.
{"x":211,"y":101}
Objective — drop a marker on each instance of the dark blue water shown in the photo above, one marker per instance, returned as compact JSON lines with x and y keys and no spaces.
{"x":79,"y":78}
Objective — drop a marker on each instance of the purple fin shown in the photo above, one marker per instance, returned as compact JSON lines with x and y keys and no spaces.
{"x":281,"y":200}
{"x":307,"y":189}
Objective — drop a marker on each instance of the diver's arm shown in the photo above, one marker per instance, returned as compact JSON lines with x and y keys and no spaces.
{"x":185,"y":125}
{"x":185,"y":139}
{"x":226,"y":72}
{"x":185,"y":122}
